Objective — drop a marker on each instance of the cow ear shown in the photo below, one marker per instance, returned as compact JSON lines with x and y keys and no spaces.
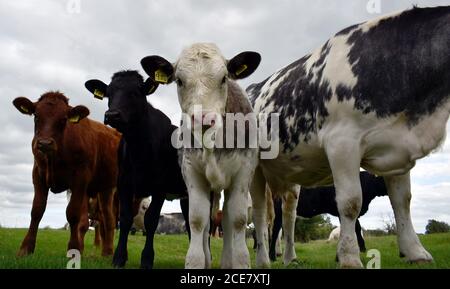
{"x":158,"y":68}
{"x":243,"y":64}
{"x":77,"y":113}
{"x":149,"y":86}
{"x":96,"y":87}
{"x":24,"y":105}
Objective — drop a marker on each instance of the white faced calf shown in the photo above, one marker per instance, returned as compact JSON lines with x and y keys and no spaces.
{"x":205,"y":78}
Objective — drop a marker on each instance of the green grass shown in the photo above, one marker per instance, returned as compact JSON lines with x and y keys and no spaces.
{"x":171,"y":250}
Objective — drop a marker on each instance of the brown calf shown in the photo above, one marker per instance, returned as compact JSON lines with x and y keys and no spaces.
{"x":70,"y":152}
{"x":216,"y":225}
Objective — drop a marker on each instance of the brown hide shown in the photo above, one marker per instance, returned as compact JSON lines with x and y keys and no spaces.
{"x":71,"y":152}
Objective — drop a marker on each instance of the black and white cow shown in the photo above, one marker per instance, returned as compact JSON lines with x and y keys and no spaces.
{"x":322,"y":200}
{"x":205,"y":78}
{"x":376,"y":96}
{"x":148,"y":163}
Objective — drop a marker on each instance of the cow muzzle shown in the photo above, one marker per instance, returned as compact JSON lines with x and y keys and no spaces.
{"x":205,"y":119}
{"x":46,"y":145}
{"x":113,"y":118}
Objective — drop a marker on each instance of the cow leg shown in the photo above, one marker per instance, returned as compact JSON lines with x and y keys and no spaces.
{"x":278,"y":249}
{"x":344,"y":158}
{"x":98,"y":238}
{"x":289,"y":216}
{"x":184,"y":204}
{"x":399,"y":190}
{"x":199,"y":218}
{"x":126,"y":221}
{"x":37,"y":211}
{"x":108,"y":221}
{"x":207,"y":246}
{"x":361,"y":242}
{"x":277,"y":223}
{"x":83,"y":227}
{"x":226,"y":261}
{"x":77,"y":216}
{"x":235,"y":251}
{"x":151,"y":220}
{"x":258,"y":194}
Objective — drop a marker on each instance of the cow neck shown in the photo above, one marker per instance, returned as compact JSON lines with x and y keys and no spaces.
{"x":138,"y":134}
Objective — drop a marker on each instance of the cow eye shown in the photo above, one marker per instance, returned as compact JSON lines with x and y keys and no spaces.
{"x":179,"y":82}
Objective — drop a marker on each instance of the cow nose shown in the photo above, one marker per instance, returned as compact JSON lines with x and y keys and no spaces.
{"x":208,"y":119}
{"x":111,"y":117}
{"x":45,"y":145}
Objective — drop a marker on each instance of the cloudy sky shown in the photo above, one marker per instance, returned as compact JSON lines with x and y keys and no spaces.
{"x":58,"y":45}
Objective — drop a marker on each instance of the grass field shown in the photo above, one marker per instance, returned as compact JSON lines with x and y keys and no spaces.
{"x":170,"y":251}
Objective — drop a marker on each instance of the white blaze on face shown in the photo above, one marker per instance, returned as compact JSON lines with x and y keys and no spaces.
{"x":201,"y":76}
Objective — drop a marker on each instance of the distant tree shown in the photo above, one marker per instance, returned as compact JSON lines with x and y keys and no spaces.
{"x":389,"y":226}
{"x":434,"y":226}
{"x":315,"y":228}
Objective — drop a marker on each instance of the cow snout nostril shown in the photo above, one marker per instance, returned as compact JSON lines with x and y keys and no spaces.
{"x":111,"y":117}
{"x":45,"y":144}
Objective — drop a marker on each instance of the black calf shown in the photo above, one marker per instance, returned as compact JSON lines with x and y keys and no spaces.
{"x":316,"y":201}
{"x":148,"y":163}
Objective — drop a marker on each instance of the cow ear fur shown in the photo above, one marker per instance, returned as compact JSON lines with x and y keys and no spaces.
{"x":24,"y":105}
{"x":243,"y":64}
{"x":158,"y":68}
{"x":77,"y":113}
{"x":96,"y":87}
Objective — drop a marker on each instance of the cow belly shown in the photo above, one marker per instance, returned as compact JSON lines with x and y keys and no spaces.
{"x":306,"y":165}
{"x":394,"y":149}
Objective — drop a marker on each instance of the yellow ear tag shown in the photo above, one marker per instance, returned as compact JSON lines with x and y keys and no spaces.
{"x":160,"y":76}
{"x":23,"y":108}
{"x":74,"y":119}
{"x":98,"y":94}
{"x":241,"y":69}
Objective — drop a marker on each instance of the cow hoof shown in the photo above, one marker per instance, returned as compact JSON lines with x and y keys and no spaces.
{"x":421,"y":257}
{"x":146,"y":266}
{"x":292,"y":262}
{"x":24,"y":252}
{"x":350,"y":262}
{"x":263,"y":265}
{"x":107,"y":253}
{"x":119,"y":260}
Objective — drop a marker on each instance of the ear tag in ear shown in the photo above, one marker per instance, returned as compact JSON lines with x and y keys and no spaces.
{"x":241,"y":69}
{"x":160,"y":76}
{"x":152,"y":89}
{"x":98,"y":94}
{"x":74,"y":119}
{"x":24,"y":109}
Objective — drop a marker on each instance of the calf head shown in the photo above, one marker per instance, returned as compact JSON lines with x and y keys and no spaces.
{"x":52,"y":114}
{"x":201,"y":74}
{"x":126,"y":98}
